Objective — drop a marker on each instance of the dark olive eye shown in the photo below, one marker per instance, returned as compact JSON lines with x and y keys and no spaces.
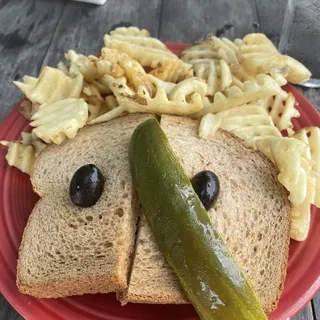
{"x":86,"y":186}
{"x":206,"y":186}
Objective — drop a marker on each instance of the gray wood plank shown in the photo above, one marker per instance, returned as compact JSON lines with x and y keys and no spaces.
{"x":83,"y":26}
{"x":313,"y":95}
{"x":270,"y":17}
{"x":316,"y":306}
{"x":26,"y":29}
{"x":189,"y":20}
{"x":305,"y":314}
{"x":7,"y":312}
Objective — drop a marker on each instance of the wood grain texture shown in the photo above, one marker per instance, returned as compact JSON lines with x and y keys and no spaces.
{"x":26,"y":29}
{"x":311,"y":94}
{"x":82,"y":26}
{"x":7,"y":312}
{"x":189,"y":20}
{"x":316,"y":306}
{"x":270,"y":17}
{"x":305,"y":314}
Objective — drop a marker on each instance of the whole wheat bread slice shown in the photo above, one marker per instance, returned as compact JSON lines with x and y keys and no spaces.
{"x":68,"y":250}
{"x":251,"y":215}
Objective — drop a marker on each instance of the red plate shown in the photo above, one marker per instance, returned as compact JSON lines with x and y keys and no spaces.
{"x":17,"y":200}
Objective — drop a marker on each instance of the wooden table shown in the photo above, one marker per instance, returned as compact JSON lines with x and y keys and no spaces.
{"x":34,"y":33}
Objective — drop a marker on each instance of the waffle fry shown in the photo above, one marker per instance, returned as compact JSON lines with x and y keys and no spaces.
{"x":232,"y":123}
{"x":19,"y":155}
{"x":185,"y":88}
{"x":144,"y":103}
{"x":244,"y":110}
{"x":208,"y":64}
{"x":200,"y":52}
{"x":30,"y":139}
{"x":209,"y":125}
{"x":28,"y":109}
{"x":265,"y":86}
{"x":28,"y":85}
{"x":173,"y":71}
{"x":259,"y":55}
{"x":92,"y":67}
{"x":149,"y":52}
{"x":60,"y":120}
{"x":111,"y":102}
{"x":282,"y":110}
{"x":130,"y":31}
{"x":119,"y":87}
{"x":300,"y":216}
{"x":296,"y":71}
{"x":133,"y":71}
{"x":311,"y":136}
{"x":158,"y":83}
{"x":51,"y":86}
{"x":218,"y":76}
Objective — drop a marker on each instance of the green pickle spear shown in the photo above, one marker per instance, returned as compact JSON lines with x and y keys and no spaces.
{"x":209,"y":276}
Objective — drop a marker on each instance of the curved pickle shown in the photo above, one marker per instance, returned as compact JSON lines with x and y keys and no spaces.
{"x":209,"y":276}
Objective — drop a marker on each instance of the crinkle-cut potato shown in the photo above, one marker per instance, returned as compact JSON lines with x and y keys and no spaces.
{"x":209,"y":125}
{"x":259,"y":55}
{"x":300,"y":216}
{"x":287,"y":154}
{"x":282,"y":109}
{"x":149,"y":52}
{"x":311,"y":136}
{"x":19,"y":155}
{"x":111,"y":102}
{"x":200,"y":52}
{"x":232,"y":123}
{"x":119,"y":87}
{"x":263,"y":87}
{"x":130,"y":31}
{"x":60,"y":120}
{"x":30,"y":139}
{"x":27,"y":86}
{"x":186,"y":100}
{"x":209,"y":65}
{"x":92,"y":67}
{"x":186,"y":88}
{"x":133,"y":71}
{"x":28,"y":109}
{"x":158,"y":83}
{"x":218,"y":76}
{"x":173,"y":70}
{"x":96,"y":103}
{"x":51,"y":86}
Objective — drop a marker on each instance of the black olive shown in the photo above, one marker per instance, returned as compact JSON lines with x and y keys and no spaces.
{"x":86,"y":186}
{"x":206,"y":186}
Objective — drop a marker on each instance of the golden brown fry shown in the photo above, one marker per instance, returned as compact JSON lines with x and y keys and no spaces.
{"x":172,"y":71}
{"x":134,"y":72}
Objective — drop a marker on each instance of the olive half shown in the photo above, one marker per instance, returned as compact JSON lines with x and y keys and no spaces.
{"x":207,"y":187}
{"x":86,"y":186}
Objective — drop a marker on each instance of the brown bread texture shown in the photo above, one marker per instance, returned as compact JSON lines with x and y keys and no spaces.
{"x":251,"y":215}
{"x":68,"y":250}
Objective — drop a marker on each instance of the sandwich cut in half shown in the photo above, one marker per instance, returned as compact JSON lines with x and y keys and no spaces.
{"x":69,"y":250}
{"x":251,"y":215}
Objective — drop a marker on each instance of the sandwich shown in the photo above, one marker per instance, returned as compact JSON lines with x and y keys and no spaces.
{"x":69,"y":250}
{"x":252,"y":215}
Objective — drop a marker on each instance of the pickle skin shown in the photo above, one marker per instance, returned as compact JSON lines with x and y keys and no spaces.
{"x":210,"y":278}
